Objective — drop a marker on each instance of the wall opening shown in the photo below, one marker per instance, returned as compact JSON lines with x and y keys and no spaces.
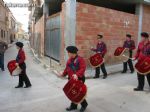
{"x":119,"y":6}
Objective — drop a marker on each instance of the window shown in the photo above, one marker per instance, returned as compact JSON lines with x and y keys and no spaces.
{"x":2,"y":33}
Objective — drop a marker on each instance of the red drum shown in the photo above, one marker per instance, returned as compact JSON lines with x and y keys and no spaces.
{"x":143,"y":66}
{"x":13,"y":69}
{"x":123,"y":53}
{"x":119,"y":51}
{"x":75,"y":91}
{"x":96,"y":60}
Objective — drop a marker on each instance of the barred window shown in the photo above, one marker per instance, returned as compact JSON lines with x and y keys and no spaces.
{"x":2,"y":33}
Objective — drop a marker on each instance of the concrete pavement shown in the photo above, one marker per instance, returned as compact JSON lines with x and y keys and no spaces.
{"x":114,"y":94}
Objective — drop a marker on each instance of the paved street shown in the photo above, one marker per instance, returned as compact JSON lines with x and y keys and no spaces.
{"x":114,"y":94}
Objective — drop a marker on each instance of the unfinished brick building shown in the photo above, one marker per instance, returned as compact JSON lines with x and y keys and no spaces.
{"x":77,"y":22}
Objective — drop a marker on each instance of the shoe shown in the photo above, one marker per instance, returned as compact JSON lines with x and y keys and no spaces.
{"x":27,"y":86}
{"x":95,"y":77}
{"x":3,"y":70}
{"x":18,"y":86}
{"x":70,"y":108}
{"x":83,"y":108}
{"x":123,"y":72}
{"x":132,"y":72}
{"x":138,"y":89}
{"x":105,"y":76}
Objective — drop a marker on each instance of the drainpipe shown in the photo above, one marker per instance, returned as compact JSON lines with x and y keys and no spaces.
{"x":70,"y":24}
{"x":46,"y":14}
{"x":139,"y":12}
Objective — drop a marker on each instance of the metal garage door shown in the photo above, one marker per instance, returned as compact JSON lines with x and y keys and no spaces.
{"x":53,"y":38}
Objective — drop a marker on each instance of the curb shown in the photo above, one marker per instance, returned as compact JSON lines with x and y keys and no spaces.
{"x":38,"y":59}
{"x":111,"y":69}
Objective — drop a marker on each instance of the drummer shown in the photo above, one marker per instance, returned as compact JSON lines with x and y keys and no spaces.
{"x":102,"y":49}
{"x":20,"y":59}
{"x":142,"y":52}
{"x":75,"y":68}
{"x":129,"y":44}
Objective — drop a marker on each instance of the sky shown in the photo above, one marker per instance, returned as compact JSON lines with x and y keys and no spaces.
{"x":21,"y":14}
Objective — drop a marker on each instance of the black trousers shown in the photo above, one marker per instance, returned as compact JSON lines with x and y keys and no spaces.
{"x":141,"y":80}
{"x":23,"y":78}
{"x":129,"y":62}
{"x":2,"y":61}
{"x":97,"y":70}
{"x":84,"y":102}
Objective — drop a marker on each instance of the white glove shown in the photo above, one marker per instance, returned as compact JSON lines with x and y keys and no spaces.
{"x":133,"y":59}
{"x":75,"y":77}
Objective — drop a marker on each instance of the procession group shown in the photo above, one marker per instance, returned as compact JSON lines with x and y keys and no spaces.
{"x":76,"y":67}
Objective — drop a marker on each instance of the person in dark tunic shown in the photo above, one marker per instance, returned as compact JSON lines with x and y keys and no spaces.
{"x":100,"y":48}
{"x":20,"y":59}
{"x":142,"y":52}
{"x":129,"y":44}
{"x":75,"y":68}
{"x":3,"y":48}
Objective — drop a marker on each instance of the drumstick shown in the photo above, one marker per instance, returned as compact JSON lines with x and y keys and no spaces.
{"x":127,"y":57}
{"x":57,"y":74}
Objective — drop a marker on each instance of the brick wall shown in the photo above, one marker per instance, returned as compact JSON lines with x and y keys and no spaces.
{"x":39,"y":28}
{"x":146,"y":18}
{"x":92,"y":20}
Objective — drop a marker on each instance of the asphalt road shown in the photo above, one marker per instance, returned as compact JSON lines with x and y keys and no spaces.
{"x":114,"y":94}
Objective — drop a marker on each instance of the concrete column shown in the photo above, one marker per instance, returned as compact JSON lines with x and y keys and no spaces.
{"x":139,"y":12}
{"x":70,"y":24}
{"x":46,"y":9}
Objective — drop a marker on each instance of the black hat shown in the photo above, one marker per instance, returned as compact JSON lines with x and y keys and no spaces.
{"x":145,"y":34}
{"x":128,"y":35}
{"x":72,"y":49}
{"x":99,"y":36}
{"x":19,"y":44}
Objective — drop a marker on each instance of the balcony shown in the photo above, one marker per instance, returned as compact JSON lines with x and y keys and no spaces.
{"x":37,"y":11}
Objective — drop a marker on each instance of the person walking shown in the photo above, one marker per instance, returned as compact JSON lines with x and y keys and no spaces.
{"x":20,"y":59}
{"x":3,"y":48}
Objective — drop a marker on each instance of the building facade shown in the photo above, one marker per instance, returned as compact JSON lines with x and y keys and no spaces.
{"x":77,"y":22}
{"x":12,"y":28}
{"x":4,"y":22}
{"x":7,"y":23}
{"x":19,"y":31}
